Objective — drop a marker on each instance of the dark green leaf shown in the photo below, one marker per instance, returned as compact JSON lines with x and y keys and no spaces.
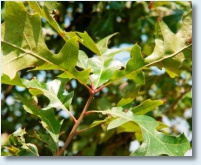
{"x":47,"y":139}
{"x":47,"y":117}
{"x":21,"y":148}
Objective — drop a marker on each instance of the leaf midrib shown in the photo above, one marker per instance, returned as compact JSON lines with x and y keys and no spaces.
{"x":55,"y":136}
{"x":149,"y":64}
{"x":38,"y":56}
{"x":113,"y":113}
{"x":55,"y":96}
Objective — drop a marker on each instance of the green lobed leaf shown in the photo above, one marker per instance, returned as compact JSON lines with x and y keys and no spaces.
{"x":47,"y":117}
{"x":172,"y":65}
{"x":47,"y":139}
{"x":88,"y":42}
{"x":84,"y":39}
{"x":5,"y":79}
{"x":165,"y":42}
{"x":102,"y":67}
{"x":146,"y":106}
{"x":102,"y":45}
{"x":154,"y":143}
{"x":18,"y":145}
{"x":164,"y":49}
{"x":53,"y":90}
{"x":24,"y":47}
{"x":45,"y":12}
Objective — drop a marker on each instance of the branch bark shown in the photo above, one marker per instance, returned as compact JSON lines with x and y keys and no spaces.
{"x":77,"y":123}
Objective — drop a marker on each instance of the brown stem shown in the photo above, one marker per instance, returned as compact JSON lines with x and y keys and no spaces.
{"x":81,"y":130}
{"x":73,"y":131}
{"x":172,"y":107}
{"x":92,"y":85}
{"x":89,"y":112}
{"x":100,"y":88}
{"x":74,"y":119}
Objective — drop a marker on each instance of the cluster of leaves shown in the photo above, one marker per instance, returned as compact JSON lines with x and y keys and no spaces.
{"x":23,"y":47}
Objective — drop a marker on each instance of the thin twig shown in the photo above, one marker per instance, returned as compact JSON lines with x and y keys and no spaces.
{"x":92,"y":85}
{"x":73,"y":131}
{"x":81,"y":130}
{"x":172,"y":107}
{"x":71,"y":115}
{"x":89,"y":112}
{"x":100,"y":88}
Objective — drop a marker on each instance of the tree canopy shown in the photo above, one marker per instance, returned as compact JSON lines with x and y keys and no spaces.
{"x":138,"y":56}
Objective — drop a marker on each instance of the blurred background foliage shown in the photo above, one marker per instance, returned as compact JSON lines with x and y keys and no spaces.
{"x":134,"y":22}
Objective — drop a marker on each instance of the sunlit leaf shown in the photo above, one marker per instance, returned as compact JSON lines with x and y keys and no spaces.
{"x":154,"y":143}
{"x":87,"y":41}
{"x":146,"y":106}
{"x":164,"y":49}
{"x":102,"y":67}
{"x":24,"y":47}
{"x":53,"y":90}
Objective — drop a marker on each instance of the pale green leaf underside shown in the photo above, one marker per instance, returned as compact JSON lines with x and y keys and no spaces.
{"x":53,"y":90}
{"x":154,"y":143}
{"x":102,"y":67}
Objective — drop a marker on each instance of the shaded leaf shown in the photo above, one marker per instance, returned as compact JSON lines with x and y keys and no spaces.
{"x":47,"y":139}
{"x":128,"y":127}
{"x":98,"y":122}
{"x":28,"y":150}
{"x":124,"y":102}
{"x":5,"y":79}
{"x":18,"y":145}
{"x":47,"y":117}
